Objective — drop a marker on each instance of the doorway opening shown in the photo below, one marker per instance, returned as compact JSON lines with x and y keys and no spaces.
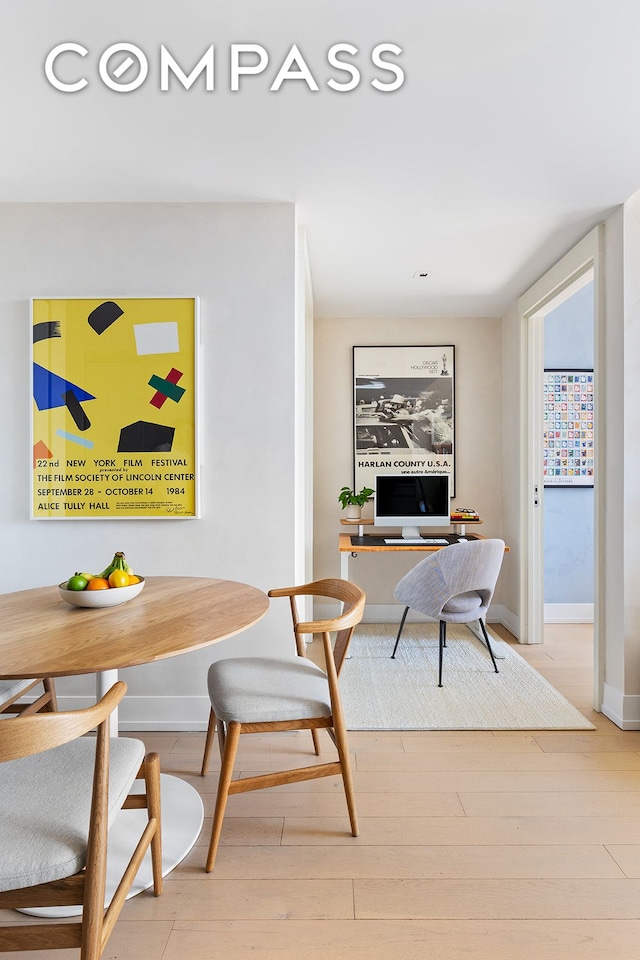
{"x":568,"y":458}
{"x":578,"y":274}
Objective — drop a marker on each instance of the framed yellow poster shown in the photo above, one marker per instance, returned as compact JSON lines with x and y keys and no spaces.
{"x":114,"y":424}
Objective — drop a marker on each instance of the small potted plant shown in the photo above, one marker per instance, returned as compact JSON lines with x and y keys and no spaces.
{"x":353,"y":502}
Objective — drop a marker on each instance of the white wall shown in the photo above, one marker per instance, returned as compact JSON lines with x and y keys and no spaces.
{"x":510,"y":465}
{"x":630,"y":455}
{"x":613,"y":614}
{"x":479,"y":436}
{"x":240,"y":260}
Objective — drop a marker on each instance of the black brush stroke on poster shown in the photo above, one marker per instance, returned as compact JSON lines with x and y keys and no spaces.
{"x":104,"y":315}
{"x":72,"y":404}
{"x":145,"y":437}
{"x":46,"y":330}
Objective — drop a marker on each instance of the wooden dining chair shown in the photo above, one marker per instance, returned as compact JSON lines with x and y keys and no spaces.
{"x":266,"y":694}
{"x":12,"y":692}
{"x":59,"y":793}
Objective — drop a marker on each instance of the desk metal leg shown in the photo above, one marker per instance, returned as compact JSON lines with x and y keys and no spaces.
{"x":344,"y":565}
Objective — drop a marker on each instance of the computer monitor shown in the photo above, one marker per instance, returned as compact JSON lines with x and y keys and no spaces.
{"x":412,"y":501}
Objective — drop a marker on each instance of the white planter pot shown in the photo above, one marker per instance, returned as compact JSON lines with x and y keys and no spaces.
{"x":353,"y":512}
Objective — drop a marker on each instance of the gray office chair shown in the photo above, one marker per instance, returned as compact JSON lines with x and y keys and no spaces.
{"x":453,"y":585}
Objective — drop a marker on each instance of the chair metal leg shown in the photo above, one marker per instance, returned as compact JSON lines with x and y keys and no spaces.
{"x":486,"y":640}
{"x":442,"y":645}
{"x":404,"y":617}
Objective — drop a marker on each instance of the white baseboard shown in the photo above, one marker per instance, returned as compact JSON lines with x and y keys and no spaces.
{"x":392,"y":612}
{"x":623,"y":710}
{"x":498,"y":613}
{"x":153,"y":713}
{"x":191,"y":714}
{"x":568,"y":613}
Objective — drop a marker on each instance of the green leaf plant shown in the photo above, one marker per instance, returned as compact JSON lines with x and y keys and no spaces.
{"x":349,"y":497}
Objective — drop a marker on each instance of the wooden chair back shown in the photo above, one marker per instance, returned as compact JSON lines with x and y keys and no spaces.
{"x":342,"y":625}
{"x":353,"y":599}
{"x":15,"y":705}
{"x":31,"y":735}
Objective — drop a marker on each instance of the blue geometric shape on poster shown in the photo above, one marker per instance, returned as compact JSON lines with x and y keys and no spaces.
{"x":49,"y":389}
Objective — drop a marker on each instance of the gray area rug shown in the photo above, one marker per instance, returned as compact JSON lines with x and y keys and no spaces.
{"x":403,"y":694}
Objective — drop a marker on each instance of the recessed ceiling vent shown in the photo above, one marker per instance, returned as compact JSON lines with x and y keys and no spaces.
{"x":421,"y":275}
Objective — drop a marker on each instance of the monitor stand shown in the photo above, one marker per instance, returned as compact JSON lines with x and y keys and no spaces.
{"x":411,"y":533}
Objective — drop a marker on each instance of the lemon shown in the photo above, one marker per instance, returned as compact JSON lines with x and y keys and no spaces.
{"x":118,"y":578}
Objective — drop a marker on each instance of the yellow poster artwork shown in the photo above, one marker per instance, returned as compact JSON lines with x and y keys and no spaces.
{"x":114,"y":408}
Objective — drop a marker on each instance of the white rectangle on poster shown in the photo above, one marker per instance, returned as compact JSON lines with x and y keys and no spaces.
{"x":156,"y":338}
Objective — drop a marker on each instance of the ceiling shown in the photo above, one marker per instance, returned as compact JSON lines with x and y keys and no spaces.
{"x":515,"y":131}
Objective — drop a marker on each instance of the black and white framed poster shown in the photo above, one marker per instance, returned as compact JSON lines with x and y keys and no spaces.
{"x":568,"y":431}
{"x":404,"y":417}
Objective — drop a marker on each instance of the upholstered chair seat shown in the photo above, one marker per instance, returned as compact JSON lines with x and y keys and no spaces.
{"x":262,"y":689}
{"x":45,"y":807}
{"x":63,"y":781}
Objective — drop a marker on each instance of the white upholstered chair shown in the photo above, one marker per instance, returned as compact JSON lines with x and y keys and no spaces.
{"x":59,"y":792}
{"x":265,"y":694}
{"x":453,"y":585}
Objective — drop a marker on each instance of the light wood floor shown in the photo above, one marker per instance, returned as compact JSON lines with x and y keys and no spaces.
{"x":472,"y":846}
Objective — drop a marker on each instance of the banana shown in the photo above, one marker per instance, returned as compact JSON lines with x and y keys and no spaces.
{"x":118,"y":563}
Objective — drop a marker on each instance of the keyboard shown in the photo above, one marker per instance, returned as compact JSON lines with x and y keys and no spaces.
{"x":416,"y":541}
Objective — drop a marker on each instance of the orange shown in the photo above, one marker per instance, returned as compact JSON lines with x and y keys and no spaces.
{"x":133,"y":579}
{"x":97,"y":583}
{"x":119,"y":578}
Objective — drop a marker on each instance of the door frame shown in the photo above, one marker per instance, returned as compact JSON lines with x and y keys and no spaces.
{"x":555,"y":286}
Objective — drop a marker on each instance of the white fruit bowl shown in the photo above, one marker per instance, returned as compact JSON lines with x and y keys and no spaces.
{"x":100,"y":598}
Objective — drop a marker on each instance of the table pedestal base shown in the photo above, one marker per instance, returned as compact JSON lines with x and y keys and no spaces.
{"x":182,"y":819}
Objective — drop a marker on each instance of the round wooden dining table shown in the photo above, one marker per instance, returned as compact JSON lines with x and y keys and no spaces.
{"x":43,"y":636}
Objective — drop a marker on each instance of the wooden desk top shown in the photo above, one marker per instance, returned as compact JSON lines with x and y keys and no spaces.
{"x":367,"y":521}
{"x":43,"y":636}
{"x":345,"y":545}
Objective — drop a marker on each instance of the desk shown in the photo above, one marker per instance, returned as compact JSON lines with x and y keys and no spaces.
{"x":42,"y":636}
{"x":347,"y":549}
{"x":459,"y":526}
